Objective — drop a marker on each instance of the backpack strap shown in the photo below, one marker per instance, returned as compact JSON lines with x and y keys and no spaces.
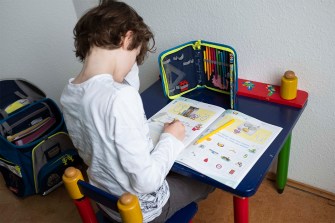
{"x":2,"y":131}
{"x":33,"y":93}
{"x":50,"y":111}
{"x":20,"y":95}
{"x":5,"y":129}
{"x":3,"y":113}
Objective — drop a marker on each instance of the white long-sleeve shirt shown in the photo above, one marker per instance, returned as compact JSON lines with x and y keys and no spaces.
{"x":107,"y":124}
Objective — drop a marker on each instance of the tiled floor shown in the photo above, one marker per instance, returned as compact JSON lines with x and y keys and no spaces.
{"x":266,"y":206}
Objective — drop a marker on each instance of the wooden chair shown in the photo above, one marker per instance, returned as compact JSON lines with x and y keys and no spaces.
{"x":128,"y":205}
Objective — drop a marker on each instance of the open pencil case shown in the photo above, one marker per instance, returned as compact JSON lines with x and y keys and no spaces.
{"x":198,"y":64}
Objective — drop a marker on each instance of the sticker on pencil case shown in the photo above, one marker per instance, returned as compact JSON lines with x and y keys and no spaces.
{"x":188,"y":62}
{"x":179,"y":58}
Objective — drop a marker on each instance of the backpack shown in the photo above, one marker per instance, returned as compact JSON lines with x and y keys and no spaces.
{"x":35,"y":147}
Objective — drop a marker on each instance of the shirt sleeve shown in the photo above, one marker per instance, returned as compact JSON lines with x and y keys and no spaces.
{"x":145,"y":166}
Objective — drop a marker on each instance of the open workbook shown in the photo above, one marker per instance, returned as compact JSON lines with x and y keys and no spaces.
{"x":221,"y":144}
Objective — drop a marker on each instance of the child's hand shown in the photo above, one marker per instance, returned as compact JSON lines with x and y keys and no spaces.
{"x":176,"y":128}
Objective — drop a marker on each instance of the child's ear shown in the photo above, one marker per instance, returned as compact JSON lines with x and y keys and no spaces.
{"x":126,"y":40}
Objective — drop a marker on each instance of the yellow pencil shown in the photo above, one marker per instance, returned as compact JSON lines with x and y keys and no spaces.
{"x":215,"y":131}
{"x":205,"y":62}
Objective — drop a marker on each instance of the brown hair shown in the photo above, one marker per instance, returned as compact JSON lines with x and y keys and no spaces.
{"x":105,"y":25}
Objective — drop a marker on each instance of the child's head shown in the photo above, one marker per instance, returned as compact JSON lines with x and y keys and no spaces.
{"x":107,"y":24}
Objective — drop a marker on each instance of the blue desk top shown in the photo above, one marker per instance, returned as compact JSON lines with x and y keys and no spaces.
{"x":276,"y":114}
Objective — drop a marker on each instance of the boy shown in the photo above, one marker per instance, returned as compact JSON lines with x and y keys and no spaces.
{"x":105,"y":117}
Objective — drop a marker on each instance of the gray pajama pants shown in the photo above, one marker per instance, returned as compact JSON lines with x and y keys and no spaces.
{"x":183,"y":191}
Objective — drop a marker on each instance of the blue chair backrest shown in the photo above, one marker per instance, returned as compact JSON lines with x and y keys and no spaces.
{"x":98,"y":195}
{"x":184,"y":215}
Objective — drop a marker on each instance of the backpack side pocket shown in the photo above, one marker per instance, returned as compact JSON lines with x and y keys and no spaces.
{"x":50,"y":158}
{"x":12,"y":175}
{"x":50,"y":175}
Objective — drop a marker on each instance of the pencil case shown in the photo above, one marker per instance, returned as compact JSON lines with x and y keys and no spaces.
{"x":199,"y":64}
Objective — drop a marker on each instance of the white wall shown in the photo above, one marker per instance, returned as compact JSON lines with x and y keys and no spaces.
{"x":37,"y":42}
{"x":269,"y":37}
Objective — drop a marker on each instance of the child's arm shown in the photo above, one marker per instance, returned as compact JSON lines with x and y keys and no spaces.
{"x":145,"y":166}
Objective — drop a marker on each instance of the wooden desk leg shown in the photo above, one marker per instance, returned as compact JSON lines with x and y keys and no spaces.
{"x":241,"y":209}
{"x":282,"y":166}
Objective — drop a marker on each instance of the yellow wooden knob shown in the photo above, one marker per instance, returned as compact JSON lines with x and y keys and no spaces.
{"x":127,"y":199}
{"x":289,"y":85}
{"x":129,"y":208}
{"x":71,"y":172}
{"x":70,"y":178}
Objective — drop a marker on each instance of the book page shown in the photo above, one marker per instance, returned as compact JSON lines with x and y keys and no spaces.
{"x":228,"y":155}
{"x":196,"y":117}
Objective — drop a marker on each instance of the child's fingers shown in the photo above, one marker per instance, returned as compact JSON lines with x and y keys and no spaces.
{"x":169,"y":123}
